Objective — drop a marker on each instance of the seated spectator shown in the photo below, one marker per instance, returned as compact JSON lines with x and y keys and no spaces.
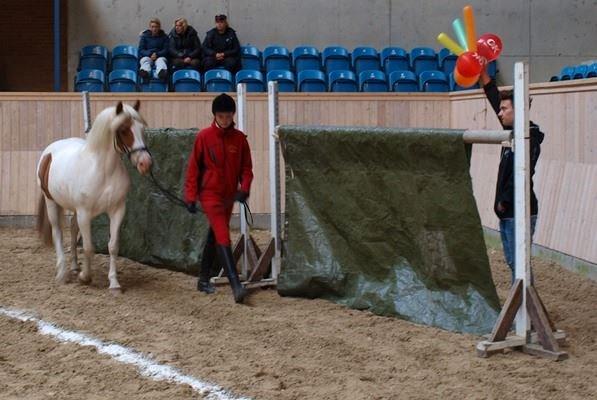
{"x":153,"y":49}
{"x":185,"y":46}
{"x":221,"y":47}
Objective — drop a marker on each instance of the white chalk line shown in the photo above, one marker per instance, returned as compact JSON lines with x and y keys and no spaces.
{"x":145,"y":365}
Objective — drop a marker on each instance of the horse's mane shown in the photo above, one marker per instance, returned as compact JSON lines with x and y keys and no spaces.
{"x":102,"y":131}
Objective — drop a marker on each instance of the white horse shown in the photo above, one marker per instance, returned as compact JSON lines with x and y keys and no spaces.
{"x":88,"y":178}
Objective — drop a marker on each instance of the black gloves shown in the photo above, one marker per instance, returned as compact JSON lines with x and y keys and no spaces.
{"x":192,"y":208}
{"x":241,"y":196}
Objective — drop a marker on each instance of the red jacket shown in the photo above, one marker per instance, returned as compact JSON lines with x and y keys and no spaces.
{"x":219,"y":162}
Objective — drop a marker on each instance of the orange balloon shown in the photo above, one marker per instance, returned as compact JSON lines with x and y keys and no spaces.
{"x":464,"y":81}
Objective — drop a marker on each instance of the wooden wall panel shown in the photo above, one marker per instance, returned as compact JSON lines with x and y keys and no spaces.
{"x":565,"y":181}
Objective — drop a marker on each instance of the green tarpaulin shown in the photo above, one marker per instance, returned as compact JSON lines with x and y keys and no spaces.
{"x":156,"y":231}
{"x":385,"y":220}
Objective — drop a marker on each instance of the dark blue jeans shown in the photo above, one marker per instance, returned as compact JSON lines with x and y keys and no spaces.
{"x":508,"y":241}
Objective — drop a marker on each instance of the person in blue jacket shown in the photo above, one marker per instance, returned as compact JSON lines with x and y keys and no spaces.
{"x":153,"y":49}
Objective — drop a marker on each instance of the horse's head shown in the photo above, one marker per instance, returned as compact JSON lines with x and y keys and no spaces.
{"x":128,"y":127}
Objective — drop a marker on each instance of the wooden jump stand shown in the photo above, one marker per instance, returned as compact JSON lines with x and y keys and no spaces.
{"x":535,"y":332}
{"x":260,"y":268}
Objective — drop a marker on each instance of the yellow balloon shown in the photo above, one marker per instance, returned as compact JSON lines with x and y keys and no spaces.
{"x":450,"y":44}
{"x":464,"y":81}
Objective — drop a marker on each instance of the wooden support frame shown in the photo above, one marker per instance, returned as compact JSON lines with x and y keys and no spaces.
{"x":535,"y":331}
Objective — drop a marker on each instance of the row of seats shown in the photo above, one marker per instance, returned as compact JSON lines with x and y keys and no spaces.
{"x":302,"y":58}
{"x":219,"y":80}
{"x":361,"y":59}
{"x":576,"y":72}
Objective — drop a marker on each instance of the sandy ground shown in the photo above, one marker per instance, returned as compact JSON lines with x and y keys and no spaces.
{"x":271,"y":348}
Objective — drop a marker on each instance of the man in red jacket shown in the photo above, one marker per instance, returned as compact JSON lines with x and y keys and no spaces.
{"x":220,"y":172}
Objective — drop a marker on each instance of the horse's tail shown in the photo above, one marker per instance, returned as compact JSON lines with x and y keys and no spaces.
{"x":43,"y":223}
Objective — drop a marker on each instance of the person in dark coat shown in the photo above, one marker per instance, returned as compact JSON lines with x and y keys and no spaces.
{"x":503,"y":105}
{"x":219,"y":172}
{"x":184,"y":46}
{"x":153,"y":50}
{"x":221,"y":47}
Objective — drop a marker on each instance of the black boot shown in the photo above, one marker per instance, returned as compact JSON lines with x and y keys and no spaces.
{"x":207,"y":261}
{"x":227,"y":261}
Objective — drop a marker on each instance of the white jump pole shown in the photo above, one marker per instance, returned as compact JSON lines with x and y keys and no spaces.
{"x":522,"y":260}
{"x":274,"y":177}
{"x":241,"y":99}
{"x":86,"y":112}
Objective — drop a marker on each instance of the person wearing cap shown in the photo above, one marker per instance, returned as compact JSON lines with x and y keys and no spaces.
{"x":219,"y":172}
{"x":221,"y":47}
{"x":153,"y":49}
{"x":184,"y":46}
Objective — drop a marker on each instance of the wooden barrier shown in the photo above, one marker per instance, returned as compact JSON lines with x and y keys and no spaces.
{"x":564,"y":182}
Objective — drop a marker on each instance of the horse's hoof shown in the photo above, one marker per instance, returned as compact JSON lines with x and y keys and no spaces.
{"x":85,"y":280}
{"x":62,"y":278}
{"x":116,"y":292}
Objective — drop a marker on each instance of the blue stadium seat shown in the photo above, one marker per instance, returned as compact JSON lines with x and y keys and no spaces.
{"x":423,"y":59}
{"x":284,"y":78}
{"x":403,"y":81}
{"x":373,"y":81}
{"x":154,"y":84}
{"x":90,"y":80}
{"x":250,"y":57}
{"x":554,"y":78}
{"x":122,"y":80}
{"x":186,"y":80}
{"x":306,"y":58}
{"x":455,"y":87}
{"x":276,"y":58}
{"x":365,"y":59}
{"x":252,"y":78}
{"x":580,"y":71}
{"x":592,"y":72}
{"x":567,"y":73}
{"x":93,"y":57}
{"x":125,"y":57}
{"x":446,"y":61}
{"x":311,"y":80}
{"x":433,"y":81}
{"x":492,"y":69}
{"x":343,"y":81}
{"x":394,"y":59}
{"x":335,"y":59}
{"x":218,"y":80}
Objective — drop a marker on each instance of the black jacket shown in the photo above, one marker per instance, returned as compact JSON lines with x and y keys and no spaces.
{"x":149,"y":44}
{"x":226,"y":43}
{"x":504,"y":191}
{"x":185,"y":45}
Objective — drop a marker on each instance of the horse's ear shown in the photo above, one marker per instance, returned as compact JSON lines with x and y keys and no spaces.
{"x":119,"y":107}
{"x":137,"y":105}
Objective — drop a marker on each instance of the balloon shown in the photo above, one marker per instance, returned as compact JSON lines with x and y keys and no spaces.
{"x":460,"y":34}
{"x":489,"y":46}
{"x":464,"y":82}
{"x":469,"y":22}
{"x":449,"y":44}
{"x":470,"y":64}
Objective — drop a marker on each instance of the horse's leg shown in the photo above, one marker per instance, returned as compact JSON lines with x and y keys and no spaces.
{"x":54,"y":216}
{"x":84,"y":222}
{"x":116,"y":217}
{"x":74,"y":233}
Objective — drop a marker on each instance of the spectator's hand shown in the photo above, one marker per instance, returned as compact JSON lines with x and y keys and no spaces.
{"x":241,"y":196}
{"x":187,"y":60}
{"x":501,"y":207}
{"x":219,"y":56}
{"x":154,"y":57}
{"x":485,"y":78}
{"x":192,"y":208}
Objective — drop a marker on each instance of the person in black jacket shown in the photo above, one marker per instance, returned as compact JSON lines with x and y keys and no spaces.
{"x":503,"y":105}
{"x":185,"y":46}
{"x":153,"y":49}
{"x":221,"y":47}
